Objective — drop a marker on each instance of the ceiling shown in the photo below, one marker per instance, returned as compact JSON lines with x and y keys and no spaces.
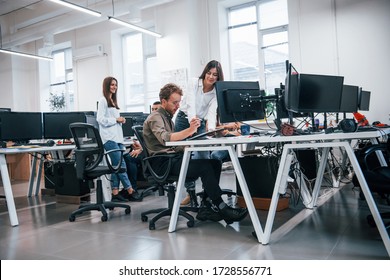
{"x":24,"y":21}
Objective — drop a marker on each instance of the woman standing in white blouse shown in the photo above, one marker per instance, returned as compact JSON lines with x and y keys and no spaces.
{"x":110,"y":128}
{"x":201,"y":102}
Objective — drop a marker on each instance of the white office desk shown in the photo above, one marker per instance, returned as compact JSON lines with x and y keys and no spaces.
{"x":36,"y":152}
{"x":322,"y":142}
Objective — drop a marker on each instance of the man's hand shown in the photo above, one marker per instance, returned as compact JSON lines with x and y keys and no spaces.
{"x":194,"y":124}
{"x":135,"y":153}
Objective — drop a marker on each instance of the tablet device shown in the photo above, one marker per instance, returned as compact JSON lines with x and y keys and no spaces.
{"x":207,"y":133}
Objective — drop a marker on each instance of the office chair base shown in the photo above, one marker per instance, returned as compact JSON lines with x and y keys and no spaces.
{"x":99,"y":207}
{"x":164,"y":212}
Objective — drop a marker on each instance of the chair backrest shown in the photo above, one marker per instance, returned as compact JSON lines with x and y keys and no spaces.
{"x":138,"y":131}
{"x":89,"y":150}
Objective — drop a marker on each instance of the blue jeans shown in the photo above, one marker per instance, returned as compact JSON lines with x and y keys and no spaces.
{"x":115,"y":159}
{"x":182,"y":123}
{"x":132,"y":166}
{"x":222,"y":155}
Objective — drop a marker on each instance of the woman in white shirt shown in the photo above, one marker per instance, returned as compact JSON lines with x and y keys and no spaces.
{"x":201,"y":102}
{"x":110,"y":128}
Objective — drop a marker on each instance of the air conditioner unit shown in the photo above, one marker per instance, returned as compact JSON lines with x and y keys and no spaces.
{"x":88,"y":52}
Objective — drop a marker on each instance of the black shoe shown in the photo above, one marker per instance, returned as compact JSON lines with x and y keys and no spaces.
{"x":208,"y":213}
{"x":231,"y":215}
{"x":118,"y":198}
{"x":135,"y":196}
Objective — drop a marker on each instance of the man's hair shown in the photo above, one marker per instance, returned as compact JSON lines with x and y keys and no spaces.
{"x":156,"y":103}
{"x":167,"y":90}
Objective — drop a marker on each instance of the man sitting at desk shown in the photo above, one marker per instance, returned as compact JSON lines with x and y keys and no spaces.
{"x":158,"y":129}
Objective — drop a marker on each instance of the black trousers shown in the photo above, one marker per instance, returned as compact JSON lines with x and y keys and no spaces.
{"x":209,"y":171}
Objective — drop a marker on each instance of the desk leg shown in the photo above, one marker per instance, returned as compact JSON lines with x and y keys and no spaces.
{"x":32,"y":175}
{"x":279,"y":187}
{"x":246,"y":194}
{"x":369,"y":199}
{"x":179,"y":190}
{"x":320,"y":175}
{"x":38,"y":183}
{"x":8,"y":192}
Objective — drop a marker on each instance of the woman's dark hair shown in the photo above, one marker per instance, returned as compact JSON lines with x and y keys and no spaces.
{"x":210,"y":65}
{"x":112,"y":102}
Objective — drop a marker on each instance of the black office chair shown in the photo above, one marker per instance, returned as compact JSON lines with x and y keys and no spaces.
{"x":377,"y":176}
{"x":89,"y":155}
{"x":162,"y":183}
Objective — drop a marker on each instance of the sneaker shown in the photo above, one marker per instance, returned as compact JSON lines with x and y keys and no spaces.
{"x":208,"y":213}
{"x":135,"y":196}
{"x":118,"y":198}
{"x":231,"y":215}
{"x":186,"y":201}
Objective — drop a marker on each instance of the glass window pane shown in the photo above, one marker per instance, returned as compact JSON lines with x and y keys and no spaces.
{"x":244,"y":53}
{"x":273,"y":13}
{"x":134,"y":77}
{"x":275,"y":55}
{"x":243,"y":15}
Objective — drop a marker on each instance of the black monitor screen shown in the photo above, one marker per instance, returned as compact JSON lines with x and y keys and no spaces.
{"x":349,"y":99}
{"x":234,"y":101}
{"x":127,"y":127}
{"x":56,"y":124}
{"x":132,"y":118}
{"x":20,"y":126}
{"x":364,"y":102}
{"x":319,"y":93}
{"x":291,"y":93}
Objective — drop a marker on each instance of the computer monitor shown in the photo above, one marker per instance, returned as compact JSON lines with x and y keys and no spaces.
{"x":291,"y":92}
{"x":20,"y":127}
{"x":127,"y":127}
{"x":319,"y":93}
{"x":364,"y":100}
{"x":349,"y":99}
{"x":132,"y":118}
{"x":56,"y":124}
{"x":239,"y":101}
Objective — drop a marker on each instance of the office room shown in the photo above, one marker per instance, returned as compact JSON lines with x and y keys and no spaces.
{"x":252,"y":41}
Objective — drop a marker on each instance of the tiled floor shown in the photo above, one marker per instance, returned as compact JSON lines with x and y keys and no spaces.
{"x":335,"y":230}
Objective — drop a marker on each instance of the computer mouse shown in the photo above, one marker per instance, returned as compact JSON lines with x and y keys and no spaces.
{"x":50,"y":142}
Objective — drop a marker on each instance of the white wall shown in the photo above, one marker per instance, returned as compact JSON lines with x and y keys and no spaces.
{"x":338,"y":37}
{"x":347,"y":38}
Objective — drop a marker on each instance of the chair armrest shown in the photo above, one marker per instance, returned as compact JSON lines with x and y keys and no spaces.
{"x":114,"y":169}
{"x":148,"y":167}
{"x":369,"y":150}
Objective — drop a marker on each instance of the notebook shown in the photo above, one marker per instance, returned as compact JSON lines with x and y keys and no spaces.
{"x":204,"y":134}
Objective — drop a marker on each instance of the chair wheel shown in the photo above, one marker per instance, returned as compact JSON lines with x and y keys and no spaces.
{"x":72,"y":218}
{"x":127,"y":211}
{"x":152,"y":226}
{"x":104,"y":218}
{"x":190,"y":224}
{"x":144,"y":218}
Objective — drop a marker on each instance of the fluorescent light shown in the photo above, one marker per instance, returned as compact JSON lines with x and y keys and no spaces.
{"x":77,"y":7}
{"x":26,"y":55}
{"x":135,"y":27}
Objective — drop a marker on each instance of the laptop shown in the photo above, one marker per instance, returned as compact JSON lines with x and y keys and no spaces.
{"x":204,"y":134}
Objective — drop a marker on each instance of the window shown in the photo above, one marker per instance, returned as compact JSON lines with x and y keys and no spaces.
{"x":141,"y":72}
{"x":61,"y":81}
{"x":258,"y":41}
